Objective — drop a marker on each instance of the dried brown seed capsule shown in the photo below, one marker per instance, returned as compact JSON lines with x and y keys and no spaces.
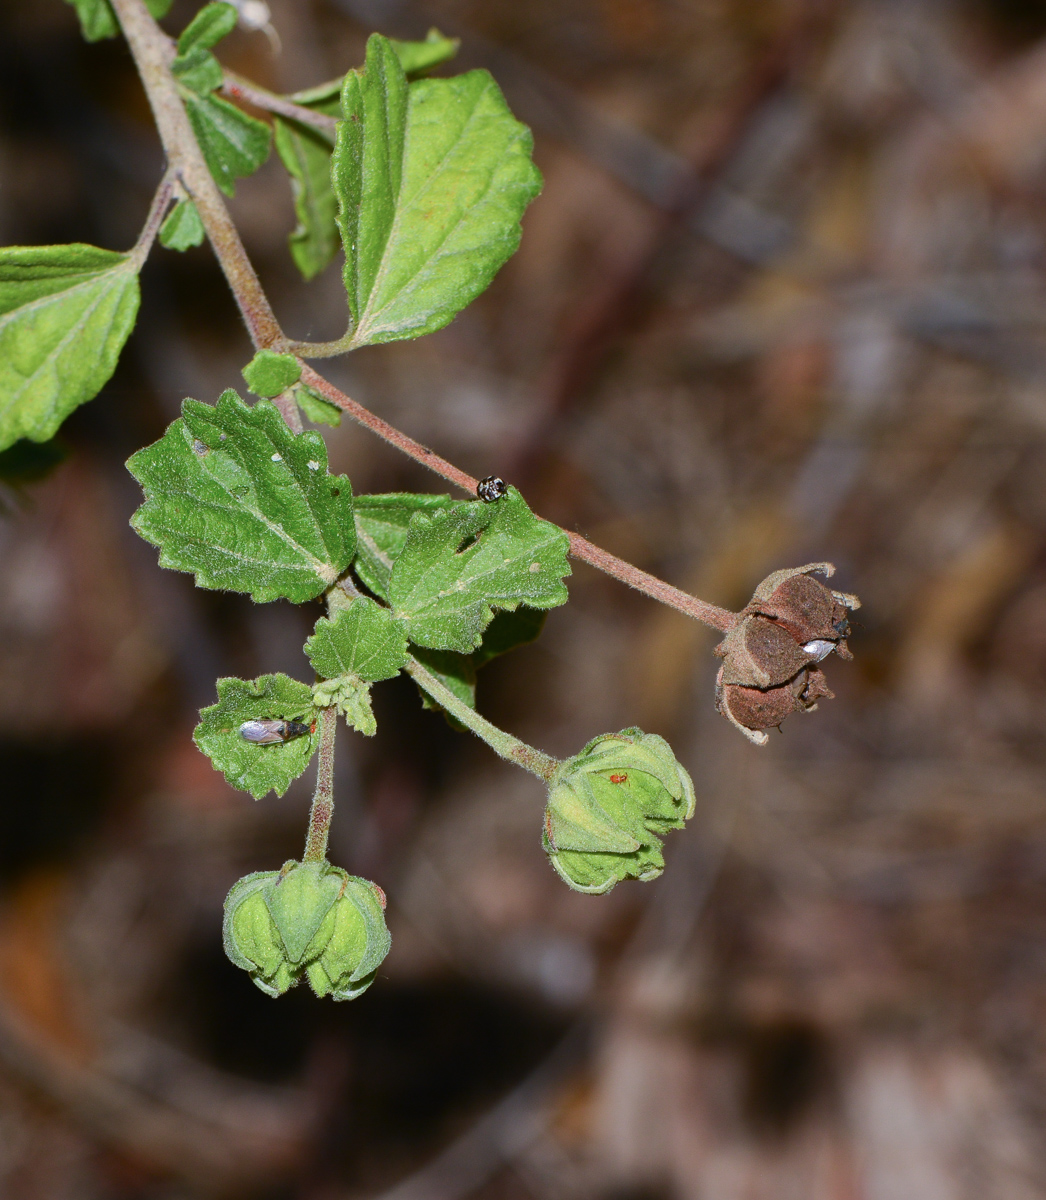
{"x":769,"y":658}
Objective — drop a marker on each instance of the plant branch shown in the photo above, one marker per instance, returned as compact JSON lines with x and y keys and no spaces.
{"x":154,"y":218}
{"x":238,"y":88}
{"x":509,"y":747}
{"x":152,"y":53}
{"x":323,"y":799}
{"x":580,"y":547}
{"x":422,"y":454}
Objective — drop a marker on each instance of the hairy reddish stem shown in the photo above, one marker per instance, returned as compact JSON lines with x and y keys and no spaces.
{"x":422,"y":454}
{"x":238,"y":88}
{"x":153,"y":51}
{"x":323,"y":798}
{"x":580,"y":547}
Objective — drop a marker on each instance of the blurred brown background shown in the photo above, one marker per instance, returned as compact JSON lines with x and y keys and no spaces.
{"x":782,"y":300}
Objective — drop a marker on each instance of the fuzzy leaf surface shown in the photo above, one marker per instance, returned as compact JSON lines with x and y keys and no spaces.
{"x":97,"y":19}
{"x":65,"y":314}
{"x":382,"y":522}
{"x":244,"y":504}
{"x":315,"y":408}
{"x":182,"y":228}
{"x":431,"y":179}
{"x":269,"y":373}
{"x":254,"y":768}
{"x":199,"y":71}
{"x":458,"y":565}
{"x":208,"y":27}
{"x":234,"y":144}
{"x":364,"y":640}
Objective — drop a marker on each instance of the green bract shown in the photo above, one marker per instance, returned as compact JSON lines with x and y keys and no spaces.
{"x":458,"y":565}
{"x":268,"y":374}
{"x":254,"y":768}
{"x":609,"y":806}
{"x":431,"y":180}
{"x":208,"y":27}
{"x":183,"y":227}
{"x":314,"y":408}
{"x":65,"y":313}
{"x":311,"y":919}
{"x":234,"y":144}
{"x":244,"y":504}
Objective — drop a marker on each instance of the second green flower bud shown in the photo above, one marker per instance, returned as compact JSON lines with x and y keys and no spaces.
{"x":609,"y":806}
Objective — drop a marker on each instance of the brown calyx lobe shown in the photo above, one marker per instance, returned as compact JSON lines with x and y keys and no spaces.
{"x":769,"y":658}
{"x":808,"y":610}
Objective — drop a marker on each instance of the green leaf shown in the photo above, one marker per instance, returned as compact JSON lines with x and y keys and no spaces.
{"x":460,"y":564}
{"x":65,"y":313}
{"x":234,"y":144}
{"x":269,"y":374}
{"x":208,"y":27}
{"x":244,"y":504}
{"x":315,"y":408}
{"x":182,"y":228}
{"x":246,"y":765}
{"x":422,"y":56}
{"x":97,"y":19}
{"x":198,"y":70}
{"x":507,"y":631}
{"x":431,"y":180}
{"x":382,"y":522}
{"x":364,"y":640}
{"x":306,"y":154}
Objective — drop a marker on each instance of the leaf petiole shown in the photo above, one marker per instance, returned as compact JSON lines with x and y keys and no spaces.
{"x":154,"y":219}
{"x":508,"y":747}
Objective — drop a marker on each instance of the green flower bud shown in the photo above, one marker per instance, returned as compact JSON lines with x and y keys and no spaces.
{"x":311,"y":919}
{"x":609,"y":806}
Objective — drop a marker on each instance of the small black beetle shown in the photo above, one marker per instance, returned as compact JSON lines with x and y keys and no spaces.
{"x":492,"y":488}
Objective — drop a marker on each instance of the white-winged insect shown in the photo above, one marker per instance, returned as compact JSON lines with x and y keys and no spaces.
{"x":267,"y":731}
